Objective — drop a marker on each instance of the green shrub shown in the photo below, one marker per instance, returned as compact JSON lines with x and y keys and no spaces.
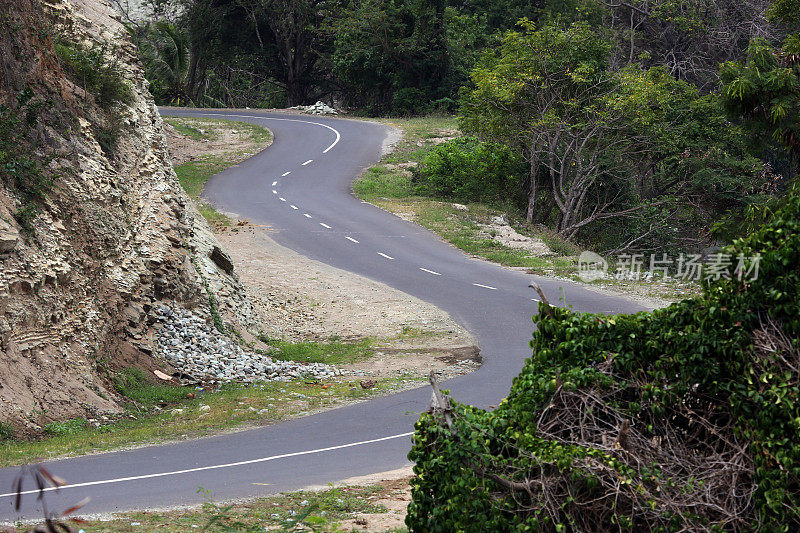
{"x":685,"y":418}
{"x":469,"y":170}
{"x":18,"y":166}
{"x":409,"y":101}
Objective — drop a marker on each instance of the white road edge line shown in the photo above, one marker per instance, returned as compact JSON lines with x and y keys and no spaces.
{"x":274,"y":183}
{"x":286,"y":173}
{"x":306,"y":215}
{"x":384,"y":255}
{"x":351,"y":239}
{"x":324,"y":225}
{"x":307,"y":162}
{"x":485,"y":286}
{"x":535,"y":300}
{"x":429,"y":271}
{"x":293,"y":207}
{"x":325,"y":151}
{"x":215,"y":467}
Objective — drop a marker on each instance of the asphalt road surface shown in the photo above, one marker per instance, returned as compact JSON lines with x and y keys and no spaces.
{"x":300,"y":186}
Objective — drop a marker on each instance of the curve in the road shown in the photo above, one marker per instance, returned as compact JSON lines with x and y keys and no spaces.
{"x":301,"y":187}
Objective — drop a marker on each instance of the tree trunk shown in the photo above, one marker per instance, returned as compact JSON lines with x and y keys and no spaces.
{"x":533,"y":192}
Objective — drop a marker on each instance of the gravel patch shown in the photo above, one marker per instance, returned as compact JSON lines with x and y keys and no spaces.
{"x":197,"y":349}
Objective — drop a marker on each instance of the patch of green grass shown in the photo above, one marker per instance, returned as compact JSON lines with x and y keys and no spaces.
{"x":379,"y":181}
{"x":6,"y":432}
{"x":134,"y":386}
{"x":187,"y":129}
{"x":193,"y":175}
{"x":302,"y":511}
{"x":231,"y":406}
{"x":332,"y":352}
{"x":67,"y":427}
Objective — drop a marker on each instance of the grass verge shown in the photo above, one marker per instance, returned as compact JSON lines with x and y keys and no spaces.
{"x":297,"y":511}
{"x":332,"y":352}
{"x":158,"y":413}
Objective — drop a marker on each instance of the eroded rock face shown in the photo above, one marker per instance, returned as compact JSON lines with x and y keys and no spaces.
{"x":115,"y":237}
{"x":9,"y":236}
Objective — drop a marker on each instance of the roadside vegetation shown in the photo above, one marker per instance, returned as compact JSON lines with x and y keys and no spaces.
{"x":394,"y":185}
{"x":319,"y":510}
{"x":330,"y":352}
{"x":157,"y":413}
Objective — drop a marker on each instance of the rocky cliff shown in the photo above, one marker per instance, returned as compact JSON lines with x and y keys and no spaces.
{"x":96,"y":233}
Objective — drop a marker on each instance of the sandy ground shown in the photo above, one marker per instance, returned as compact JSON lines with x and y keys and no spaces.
{"x":225,"y":137}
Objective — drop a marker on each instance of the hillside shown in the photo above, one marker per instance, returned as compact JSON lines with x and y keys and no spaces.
{"x":95,"y":231}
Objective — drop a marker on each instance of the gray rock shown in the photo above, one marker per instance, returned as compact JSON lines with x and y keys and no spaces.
{"x":9,"y":236}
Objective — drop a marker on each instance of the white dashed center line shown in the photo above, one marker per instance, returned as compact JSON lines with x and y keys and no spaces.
{"x":294,"y":207}
{"x":485,"y":286}
{"x":274,"y":183}
{"x":384,"y":255}
{"x":286,"y":173}
{"x":306,"y":215}
{"x":282,"y":199}
{"x":429,"y":271}
{"x":307,"y":162}
{"x":535,"y":300}
{"x":274,"y":191}
{"x":324,"y":225}
{"x":351,"y":239}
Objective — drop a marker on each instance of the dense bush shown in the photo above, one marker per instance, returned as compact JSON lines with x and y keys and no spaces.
{"x":685,"y":418}
{"x":468,"y":170}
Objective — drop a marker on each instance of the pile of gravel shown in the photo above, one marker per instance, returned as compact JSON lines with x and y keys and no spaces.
{"x":196,"y":348}
{"x":320,"y":108}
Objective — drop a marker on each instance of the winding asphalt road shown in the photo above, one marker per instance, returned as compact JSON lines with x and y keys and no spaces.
{"x":300,"y":186}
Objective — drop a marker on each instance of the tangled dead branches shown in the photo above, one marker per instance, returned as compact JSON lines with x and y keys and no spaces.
{"x":685,"y":470}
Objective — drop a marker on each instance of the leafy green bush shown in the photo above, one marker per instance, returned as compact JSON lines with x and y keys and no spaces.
{"x":6,"y":432}
{"x":409,"y":101}
{"x":469,"y":170}
{"x":685,"y":418}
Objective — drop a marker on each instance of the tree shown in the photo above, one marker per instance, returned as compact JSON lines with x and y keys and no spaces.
{"x":164,"y":50}
{"x":764,"y":92}
{"x":536,"y":77}
{"x":635,"y":148}
{"x":689,"y":38}
{"x":292,"y":36}
{"x":391,"y":55}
